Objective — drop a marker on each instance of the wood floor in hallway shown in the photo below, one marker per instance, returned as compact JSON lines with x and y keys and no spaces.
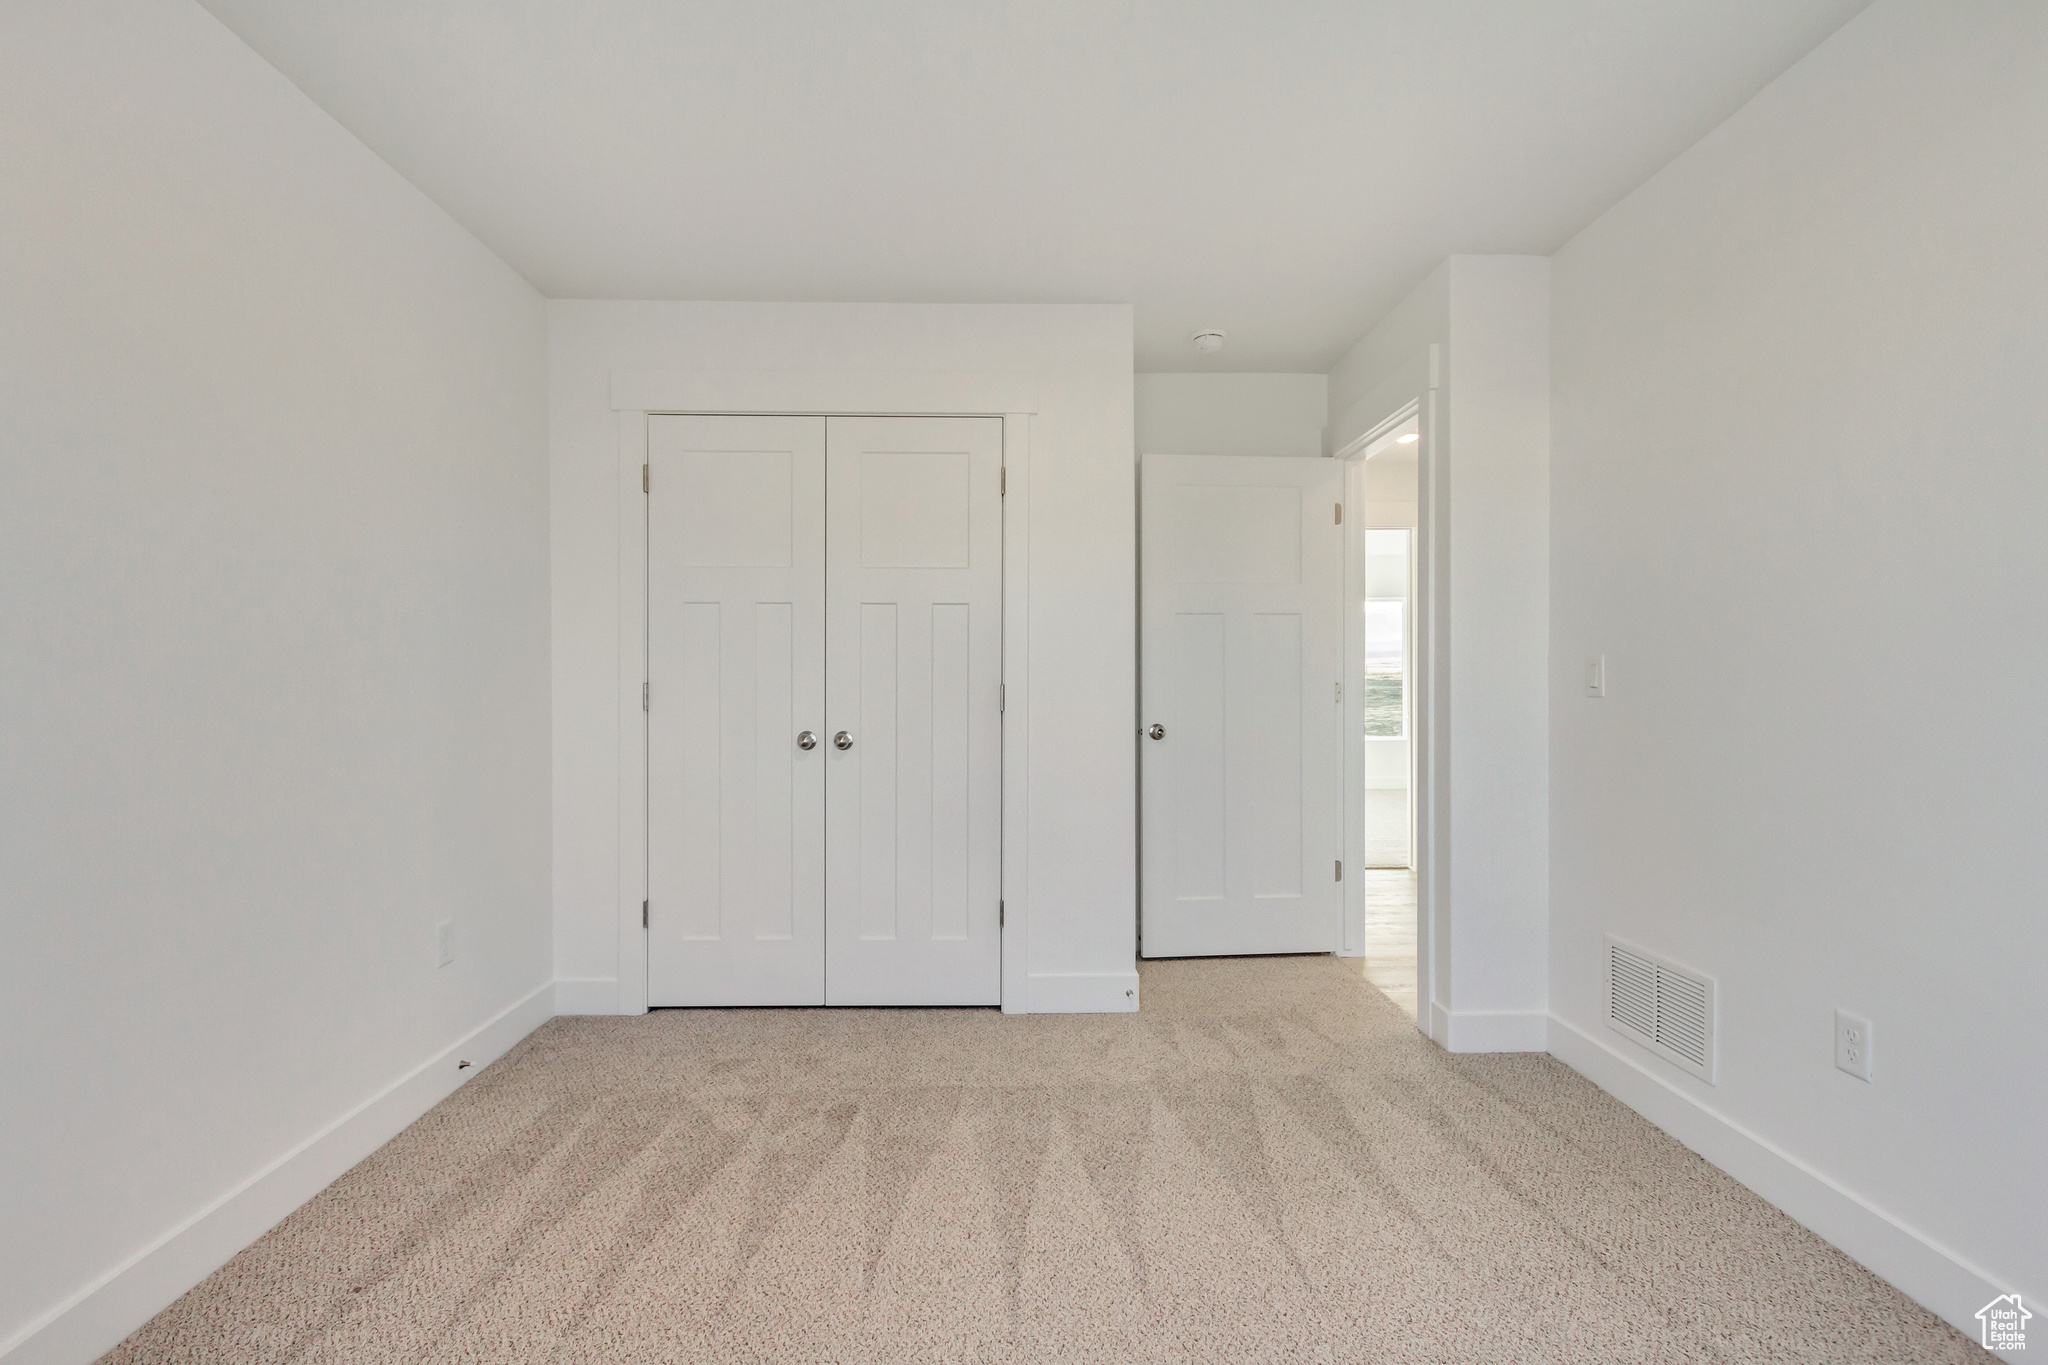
{"x":1389,"y":961}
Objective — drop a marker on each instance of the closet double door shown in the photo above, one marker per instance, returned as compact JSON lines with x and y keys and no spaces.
{"x":824,"y":729}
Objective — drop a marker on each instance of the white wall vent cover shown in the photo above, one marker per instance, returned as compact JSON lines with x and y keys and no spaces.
{"x":1665,"y":1007}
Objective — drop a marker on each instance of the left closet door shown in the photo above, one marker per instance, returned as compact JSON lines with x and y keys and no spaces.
{"x":735,"y":678}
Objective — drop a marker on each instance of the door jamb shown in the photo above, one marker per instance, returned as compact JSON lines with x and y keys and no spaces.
{"x":632,"y":671}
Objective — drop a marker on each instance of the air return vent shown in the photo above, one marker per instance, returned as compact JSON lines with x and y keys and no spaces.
{"x":1665,"y":1007}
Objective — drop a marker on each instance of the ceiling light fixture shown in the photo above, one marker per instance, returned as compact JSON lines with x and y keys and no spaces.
{"x":1208,"y":342}
{"x":1408,"y":438}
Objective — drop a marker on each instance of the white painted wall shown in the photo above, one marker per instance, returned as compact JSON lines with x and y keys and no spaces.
{"x":1386,"y":763}
{"x":1082,"y":817}
{"x":273,"y":606}
{"x":1387,"y":485}
{"x":1498,"y":472}
{"x":1232,"y":414}
{"x":1796,"y":367}
{"x":1488,"y":543}
{"x":1389,"y":366}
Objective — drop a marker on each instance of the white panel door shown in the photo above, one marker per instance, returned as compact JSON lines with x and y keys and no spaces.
{"x":1242,"y":726}
{"x":735,"y":676}
{"x":914,"y":529}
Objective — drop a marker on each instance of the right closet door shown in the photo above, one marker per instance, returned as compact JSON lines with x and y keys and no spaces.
{"x":913,"y":678}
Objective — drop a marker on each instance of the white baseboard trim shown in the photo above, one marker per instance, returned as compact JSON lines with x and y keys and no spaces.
{"x":1931,"y":1274}
{"x":1082,"y":992}
{"x":1490,"y":1030}
{"x":1050,"y":993}
{"x":97,"y":1318}
{"x":586,"y":995}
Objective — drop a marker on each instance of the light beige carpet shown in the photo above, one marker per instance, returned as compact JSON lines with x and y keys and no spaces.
{"x":1268,"y":1163}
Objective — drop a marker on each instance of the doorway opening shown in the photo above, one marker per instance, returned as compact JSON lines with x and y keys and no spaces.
{"x":1266,"y":827}
{"x":1384,"y":485}
{"x":1389,"y":792}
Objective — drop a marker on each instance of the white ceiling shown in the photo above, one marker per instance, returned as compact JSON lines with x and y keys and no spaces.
{"x":1284,"y":171}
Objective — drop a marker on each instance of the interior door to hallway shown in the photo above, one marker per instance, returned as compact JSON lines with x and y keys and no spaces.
{"x":824,"y":733}
{"x":1242,"y":726}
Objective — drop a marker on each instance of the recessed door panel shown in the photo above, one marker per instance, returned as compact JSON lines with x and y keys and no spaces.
{"x":1228,"y":534}
{"x":916,"y":509}
{"x":1278,"y":788}
{"x":950,"y":752}
{"x":878,"y":792}
{"x":1198,"y":731}
{"x":692,"y":798}
{"x":774,"y":803}
{"x":739,"y":507}
{"x":735,"y":671}
{"x":1242,"y":642}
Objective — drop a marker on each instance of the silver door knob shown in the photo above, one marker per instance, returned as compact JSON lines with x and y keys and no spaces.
{"x":1157,"y":732}
{"x":842,"y":740}
{"x":807,"y":741}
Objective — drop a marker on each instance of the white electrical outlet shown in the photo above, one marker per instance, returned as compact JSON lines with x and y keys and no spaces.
{"x":1596,"y":675}
{"x":444,"y":943}
{"x":1853,"y":1041}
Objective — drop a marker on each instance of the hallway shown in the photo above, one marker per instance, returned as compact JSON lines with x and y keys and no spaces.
{"x":1389,"y":961}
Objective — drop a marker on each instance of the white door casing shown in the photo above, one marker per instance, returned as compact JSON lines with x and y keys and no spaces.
{"x":914,"y":581}
{"x":735,"y":672}
{"x":1242,"y":656}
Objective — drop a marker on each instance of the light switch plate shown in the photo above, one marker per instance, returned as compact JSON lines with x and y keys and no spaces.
{"x":444,"y":943}
{"x":1596,"y":675}
{"x":1853,"y":1042}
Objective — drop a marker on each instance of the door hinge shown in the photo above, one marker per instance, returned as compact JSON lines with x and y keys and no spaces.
{"x":1340,"y":870}
{"x":1340,"y":514}
{"x":643,"y":696}
{"x":1003,"y":481}
{"x":643,"y":914}
{"x":1002,"y":697}
{"x":1340,"y":694}
{"x":645,"y":482}
{"x":999,"y":914}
